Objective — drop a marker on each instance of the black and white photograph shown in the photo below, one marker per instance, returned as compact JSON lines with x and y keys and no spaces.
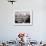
{"x":23,"y":18}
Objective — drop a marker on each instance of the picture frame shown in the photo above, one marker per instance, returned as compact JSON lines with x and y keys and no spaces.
{"x":23,"y":18}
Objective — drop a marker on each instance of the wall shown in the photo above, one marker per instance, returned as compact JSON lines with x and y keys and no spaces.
{"x":9,"y":31}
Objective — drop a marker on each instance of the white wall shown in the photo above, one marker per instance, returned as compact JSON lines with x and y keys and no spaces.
{"x":9,"y":31}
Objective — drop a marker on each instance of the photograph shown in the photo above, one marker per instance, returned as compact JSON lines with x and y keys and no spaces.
{"x":23,"y":18}
{"x":22,"y":22}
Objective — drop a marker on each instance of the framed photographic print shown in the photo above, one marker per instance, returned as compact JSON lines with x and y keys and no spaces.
{"x":23,"y":17}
